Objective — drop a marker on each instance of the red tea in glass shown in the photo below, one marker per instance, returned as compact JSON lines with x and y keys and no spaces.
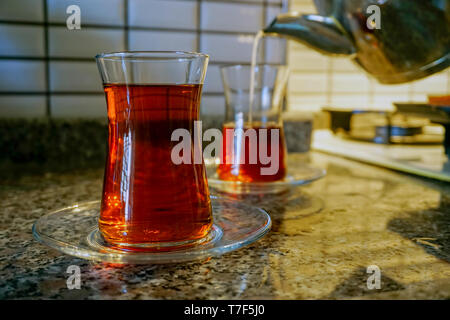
{"x":254,"y":95}
{"x":240,"y":167}
{"x":147,"y":199}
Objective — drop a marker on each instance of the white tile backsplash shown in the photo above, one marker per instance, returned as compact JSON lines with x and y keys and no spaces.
{"x":385,"y":102}
{"x":18,"y":75}
{"x":212,"y":105}
{"x":75,"y":76}
{"x":380,"y":89}
{"x":220,"y":16}
{"x":419,"y":97}
{"x":257,"y":1}
{"x":307,"y":60}
{"x":350,"y":83}
{"x":351,"y":101}
{"x":78,"y":106}
{"x":103,"y":12}
{"x":272,"y":13}
{"x":342,"y":64}
{"x":16,"y":40}
{"x":224,"y":29}
{"x":227,"y":48}
{"x":303,"y":6}
{"x":162,"y":40}
{"x":22,"y":10}
{"x":84,"y":43}
{"x":436,"y":84}
{"x":213,"y":81}
{"x":275,"y":50}
{"x":163,"y":14}
{"x":308,"y":102}
{"x":308,"y":83}
{"x":17,"y":106}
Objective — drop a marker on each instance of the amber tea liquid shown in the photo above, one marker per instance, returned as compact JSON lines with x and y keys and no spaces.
{"x":146,"y":197}
{"x":234,"y":169}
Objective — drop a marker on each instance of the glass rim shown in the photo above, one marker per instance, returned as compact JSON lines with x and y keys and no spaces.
{"x":258,"y":65}
{"x":150,"y":56}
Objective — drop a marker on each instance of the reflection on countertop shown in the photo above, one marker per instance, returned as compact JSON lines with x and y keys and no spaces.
{"x":360,"y":216}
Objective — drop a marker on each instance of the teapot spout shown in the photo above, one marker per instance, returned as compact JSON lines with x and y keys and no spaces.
{"x":321,"y":33}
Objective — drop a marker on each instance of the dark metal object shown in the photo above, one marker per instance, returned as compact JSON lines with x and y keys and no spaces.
{"x":413,"y":40}
{"x":380,"y":127}
{"x":436,"y":114}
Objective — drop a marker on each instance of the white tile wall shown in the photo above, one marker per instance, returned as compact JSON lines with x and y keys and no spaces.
{"x":222,"y":28}
{"x":350,"y":101}
{"x":212,"y":105}
{"x":350,"y":83}
{"x":221,"y":16}
{"x":85,"y":43}
{"x":308,"y":101}
{"x":17,"y":75}
{"x":20,"y":106}
{"x":385,"y":101}
{"x":338,"y":65}
{"x":213,"y":81}
{"x":75,"y":76}
{"x":257,"y":1}
{"x":304,"y":60}
{"x":17,"y":40}
{"x":309,"y":83}
{"x":303,"y":6}
{"x":432,"y":85}
{"x":22,"y":10}
{"x":274,"y":49}
{"x":103,"y":12}
{"x":78,"y":106}
{"x":272,"y":13}
{"x":163,"y":14}
{"x":227,"y":48}
{"x":162,"y":40}
{"x":318,"y":80}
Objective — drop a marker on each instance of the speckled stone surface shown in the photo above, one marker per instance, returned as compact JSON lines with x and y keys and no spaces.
{"x":324,"y":236}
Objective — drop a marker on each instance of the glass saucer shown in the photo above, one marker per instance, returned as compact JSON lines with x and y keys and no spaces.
{"x":290,"y":205}
{"x":297,"y":175}
{"x":74,"y":231}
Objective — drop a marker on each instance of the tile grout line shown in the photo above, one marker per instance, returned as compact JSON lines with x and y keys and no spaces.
{"x":86,"y":59}
{"x":448,"y":82}
{"x":138,"y":28}
{"x":199,"y":25}
{"x":126,"y":25}
{"x":329,"y":75}
{"x":264,"y":18}
{"x":46,"y":61}
{"x":286,"y":104}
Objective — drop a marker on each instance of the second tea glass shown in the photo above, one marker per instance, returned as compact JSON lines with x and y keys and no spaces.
{"x":253,"y":145}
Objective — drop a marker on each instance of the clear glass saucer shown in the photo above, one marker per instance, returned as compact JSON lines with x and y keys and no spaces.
{"x":297,"y":175}
{"x":74,"y":231}
{"x":290,"y":205}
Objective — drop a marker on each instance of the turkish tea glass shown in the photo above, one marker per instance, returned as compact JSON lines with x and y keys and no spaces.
{"x":150,"y":198}
{"x":253,"y":143}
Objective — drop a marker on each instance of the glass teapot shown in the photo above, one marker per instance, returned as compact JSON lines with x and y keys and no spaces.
{"x":409,"y":40}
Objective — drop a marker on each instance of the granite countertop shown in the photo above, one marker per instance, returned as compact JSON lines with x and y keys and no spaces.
{"x":322,"y":241}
